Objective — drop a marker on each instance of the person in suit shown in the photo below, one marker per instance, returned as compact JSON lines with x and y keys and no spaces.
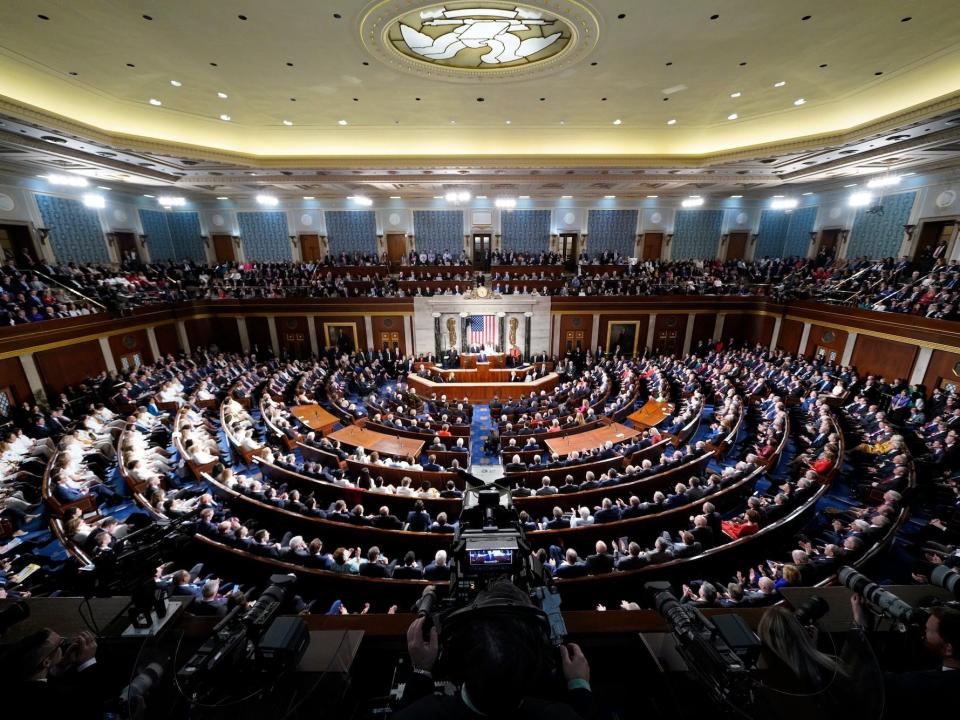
{"x":571,"y":567}
{"x":633,"y":560}
{"x":409,"y":570}
{"x":601,"y":562}
{"x":376,"y":565}
{"x":438,"y":570}
{"x":386,"y":521}
{"x":418,"y":519}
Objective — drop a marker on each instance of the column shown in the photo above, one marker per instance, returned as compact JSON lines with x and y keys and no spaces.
{"x":436,"y":335}
{"x":527,"y":323}
{"x":921,"y":365}
{"x":776,"y":331}
{"x":274,"y":338}
{"x":688,"y":335}
{"x":182,"y":336}
{"x":718,"y":326}
{"x":408,"y":334}
{"x":312,"y":332}
{"x":595,"y":333}
{"x":107,"y":354}
{"x":651,"y":324}
{"x":33,"y":377}
{"x":848,"y":348}
{"x":804,"y":336}
{"x":368,"y":328}
{"x":557,"y":342}
{"x":244,"y":334}
{"x":152,"y":341}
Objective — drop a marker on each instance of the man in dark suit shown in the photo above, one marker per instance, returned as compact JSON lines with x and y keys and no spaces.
{"x":385,"y":521}
{"x":438,"y":570}
{"x":418,"y":519}
{"x":409,"y":570}
{"x":375,"y":566}
{"x":607,"y":513}
{"x":571,"y":567}
{"x":601,"y":562}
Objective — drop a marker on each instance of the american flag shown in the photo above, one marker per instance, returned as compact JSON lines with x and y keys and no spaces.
{"x":483,"y":330}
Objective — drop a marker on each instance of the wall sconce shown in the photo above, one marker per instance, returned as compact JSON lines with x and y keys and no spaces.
{"x":293,"y":239}
{"x":236,"y":240}
{"x":754,"y":238}
{"x":844,"y":234}
{"x":669,"y":239}
{"x":43,"y":234}
{"x":813,"y":237}
{"x":206,"y":240}
{"x":724,"y":238}
{"x":111,"y":239}
{"x":143,"y":240}
{"x":908,"y":230}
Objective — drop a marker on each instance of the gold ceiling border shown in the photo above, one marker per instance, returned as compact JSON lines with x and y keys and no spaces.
{"x":138,"y":144}
{"x":380,"y":17}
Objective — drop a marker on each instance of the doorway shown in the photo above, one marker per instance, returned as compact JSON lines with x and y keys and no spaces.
{"x":481,"y":251}
{"x":127,"y":247}
{"x":933,"y":242}
{"x":737,"y":245}
{"x":310,"y":248}
{"x":829,"y":239}
{"x":568,"y":250}
{"x":223,"y":248}
{"x":652,"y":246}
{"x":396,"y":249}
{"x":16,"y":243}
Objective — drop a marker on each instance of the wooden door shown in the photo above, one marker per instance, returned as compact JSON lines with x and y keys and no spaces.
{"x":574,"y":340}
{"x":223,"y":248}
{"x":932,"y":234}
{"x":127,"y":246}
{"x":568,"y":249}
{"x":829,"y":238}
{"x":481,"y":251}
{"x":396,"y":249}
{"x":130,"y":361}
{"x":652,"y":245}
{"x":310,"y":247}
{"x":737,"y":245}
{"x":16,"y":244}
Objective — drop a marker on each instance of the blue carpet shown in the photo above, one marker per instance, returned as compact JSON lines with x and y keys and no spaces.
{"x":479,"y":431}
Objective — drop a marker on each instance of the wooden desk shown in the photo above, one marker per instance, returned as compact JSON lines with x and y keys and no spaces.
{"x":315,"y":418}
{"x":652,"y":413}
{"x":614,"y":432}
{"x":494,"y":360}
{"x":370,"y":440}
{"x":481,"y":372}
{"x":480,"y":392}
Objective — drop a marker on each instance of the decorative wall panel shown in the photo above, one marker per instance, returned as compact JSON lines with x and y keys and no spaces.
{"x":877,"y":235}
{"x":75,"y":232}
{"x":612,"y":231}
{"x":526,"y":231}
{"x":696,"y":234}
{"x":438,"y":231}
{"x":351,"y":231}
{"x":264,"y":236}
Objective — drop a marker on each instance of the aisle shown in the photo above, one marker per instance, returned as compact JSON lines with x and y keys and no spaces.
{"x":479,"y":432}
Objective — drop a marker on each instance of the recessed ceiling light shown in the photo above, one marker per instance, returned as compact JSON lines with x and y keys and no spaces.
{"x":308,"y":197}
{"x":223,"y":198}
{"x":508,"y":122}
{"x":394,"y":197}
{"x":653,"y":196}
{"x":481,"y":197}
{"x":806,"y":17}
{"x":714,"y":17}
{"x":823,"y":65}
{"x":479,"y":99}
{"x":438,"y":197}
{"x":610,"y":197}
{"x":341,"y":122}
{"x":43,"y":17}
{"x":453,"y":122}
{"x":225,"y":118}
{"x":222,"y":95}
{"x":672,"y":121}
{"x":242,"y":17}
{"x":778,"y":196}
{"x":146,"y":17}
{"x":732,"y":116}
{"x":780,"y":84}
{"x":850,"y":185}
{"x":692,"y":202}
{"x":808,"y":193}
{"x":736,"y":196}
{"x":268,"y":200}
{"x":618,"y":121}
{"x":523,"y":197}
{"x":879,"y":72}
{"x":154,"y":101}
{"x":288,"y":123}
{"x":906,"y":19}
{"x":149,"y":196}
{"x":799,"y":101}
{"x":563,"y":122}
{"x":176,"y":83}
{"x":131,"y":65}
{"x":735,"y":95}
{"x":103,"y":187}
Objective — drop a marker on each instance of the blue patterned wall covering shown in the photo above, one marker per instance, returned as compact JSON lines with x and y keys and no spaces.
{"x":350,"y":231}
{"x":185,"y":234}
{"x":155,"y":227}
{"x":438,"y":230}
{"x":785,"y":234}
{"x":696,"y":234}
{"x":264,"y":236}
{"x":75,"y":232}
{"x":526,"y":231}
{"x":797,"y":241}
{"x":772,"y":231}
{"x":879,"y":236}
{"x":612,"y":231}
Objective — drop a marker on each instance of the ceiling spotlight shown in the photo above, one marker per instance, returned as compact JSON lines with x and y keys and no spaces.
{"x":618,"y":121}
{"x":735,"y":95}
{"x":222,"y":95}
{"x":176,"y":83}
{"x":288,"y":123}
{"x":341,"y":122}
{"x":267,"y":200}
{"x":362,"y":200}
{"x":70,"y":180}
{"x":455,"y":196}
{"x":308,"y":197}
{"x":172,"y":201}
{"x":732,"y":116}
{"x":225,"y":118}
{"x":780,"y":84}
{"x":508,"y":122}
{"x":885,"y":181}
{"x":149,"y":196}
{"x":566,"y":197}
{"x":692,"y":202}
{"x":672,"y":121}
{"x":808,"y":193}
{"x":154,"y":101}
{"x":395,"y":197}
{"x":734,"y":197}
{"x":783,"y":204}
{"x":651,"y":197}
{"x":222,"y":197}
{"x":523,"y":197}
{"x":506,"y":203}
{"x":103,"y":187}
{"x":94,"y":201}
{"x":610,"y":197}
{"x":799,"y":101}
{"x":860,"y":199}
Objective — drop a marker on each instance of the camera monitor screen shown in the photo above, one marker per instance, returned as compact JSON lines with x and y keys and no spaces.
{"x":491,"y":558}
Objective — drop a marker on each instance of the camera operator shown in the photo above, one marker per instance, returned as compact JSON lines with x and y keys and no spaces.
{"x":53,"y":676}
{"x":927,"y":690}
{"x":505,"y":661}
